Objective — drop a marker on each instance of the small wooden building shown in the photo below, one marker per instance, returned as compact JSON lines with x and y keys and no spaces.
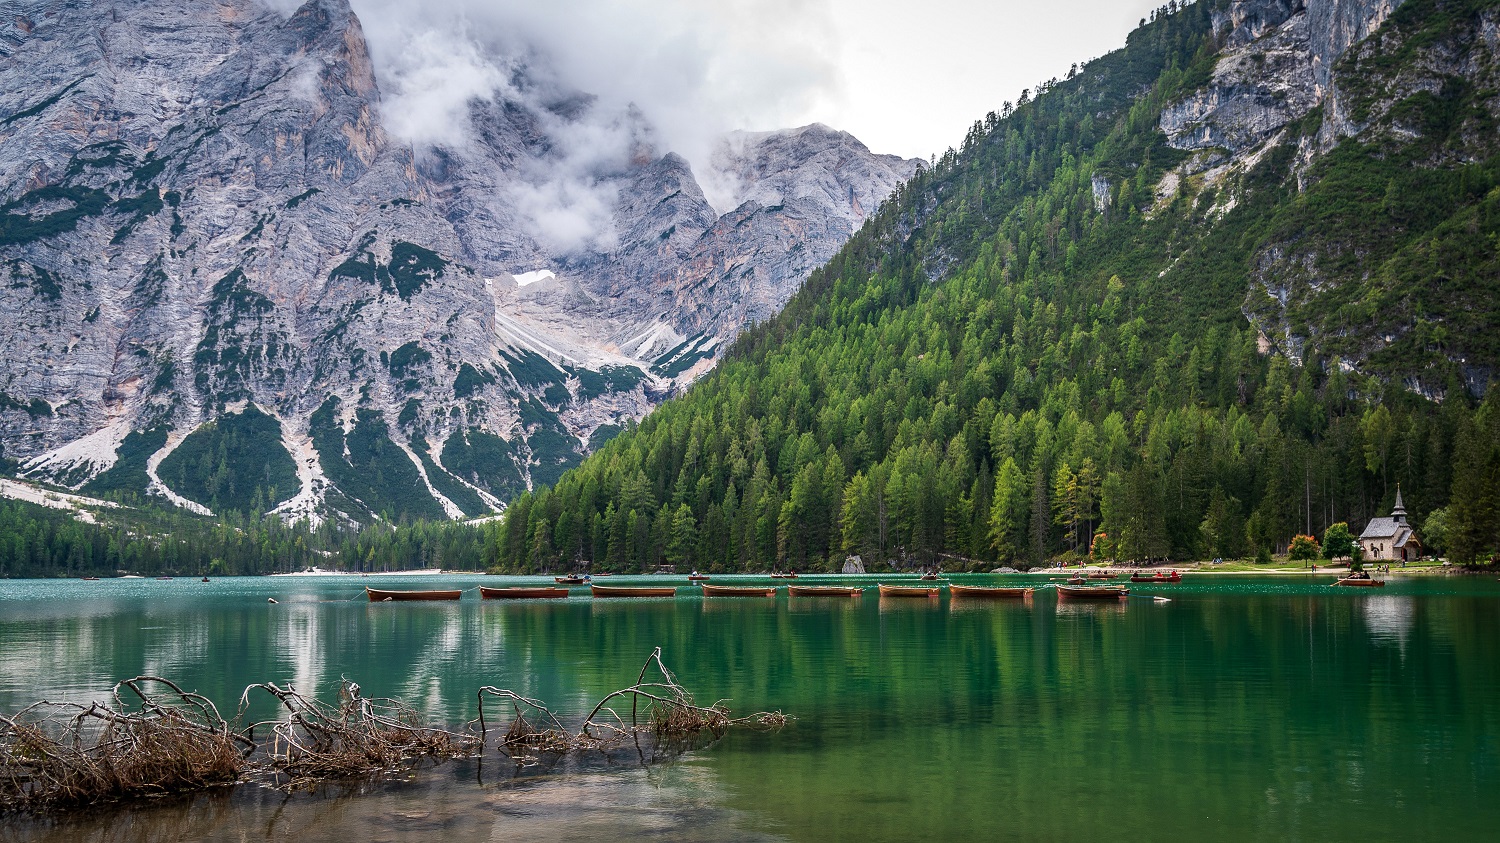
{"x":1391,"y":539}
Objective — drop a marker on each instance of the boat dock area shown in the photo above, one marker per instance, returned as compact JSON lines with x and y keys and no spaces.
{"x":1083,"y":586}
{"x":896,"y":587}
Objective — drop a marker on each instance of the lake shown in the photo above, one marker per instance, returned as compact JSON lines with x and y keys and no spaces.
{"x":1246,"y":708}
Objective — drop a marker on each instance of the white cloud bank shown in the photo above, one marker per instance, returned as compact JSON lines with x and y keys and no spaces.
{"x":669,"y":75}
{"x":901,"y":77}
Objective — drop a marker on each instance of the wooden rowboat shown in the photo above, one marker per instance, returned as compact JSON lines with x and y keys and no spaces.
{"x":1101,"y":575}
{"x":1362,"y":583}
{"x":909,"y":590}
{"x":989,"y":591}
{"x":1092,"y":592}
{"x":520,"y":592}
{"x":825,"y":590}
{"x":737,"y":591}
{"x":570,"y":579}
{"x":632,"y":591}
{"x":788,"y":576}
{"x":377,"y":595}
{"x":697,"y":577}
{"x":1172,"y":577}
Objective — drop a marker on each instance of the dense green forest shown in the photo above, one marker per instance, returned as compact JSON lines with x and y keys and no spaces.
{"x":37,"y":541}
{"x":1025,"y":353}
{"x":201,"y":468}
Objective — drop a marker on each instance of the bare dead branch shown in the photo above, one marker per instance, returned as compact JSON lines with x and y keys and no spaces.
{"x":167,"y":739}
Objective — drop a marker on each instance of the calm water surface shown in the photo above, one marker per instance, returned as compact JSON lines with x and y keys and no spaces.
{"x":1244,"y":709}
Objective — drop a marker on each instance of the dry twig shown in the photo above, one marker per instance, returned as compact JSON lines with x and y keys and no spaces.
{"x":360,"y":735}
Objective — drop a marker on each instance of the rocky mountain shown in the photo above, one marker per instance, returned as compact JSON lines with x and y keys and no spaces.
{"x":223,"y":280}
{"x":1233,"y":283}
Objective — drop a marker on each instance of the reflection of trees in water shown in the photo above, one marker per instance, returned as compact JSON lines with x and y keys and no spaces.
{"x":445,"y":647}
{"x":1090,"y":608}
{"x":38,"y":661}
{"x":1190,"y":708}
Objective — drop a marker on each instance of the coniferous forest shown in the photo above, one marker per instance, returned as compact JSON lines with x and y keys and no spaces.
{"x":143,"y":539}
{"x":1028,"y":352}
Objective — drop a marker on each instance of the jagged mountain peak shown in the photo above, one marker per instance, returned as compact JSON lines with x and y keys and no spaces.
{"x":209,"y":237}
{"x":811,"y":162}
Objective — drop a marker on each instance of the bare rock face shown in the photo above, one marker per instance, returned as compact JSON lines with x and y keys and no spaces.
{"x":201,"y":211}
{"x":1256,"y":90}
{"x":1247,"y":20}
{"x":1282,"y":59}
{"x":1334,"y":26}
{"x":1276,"y":67}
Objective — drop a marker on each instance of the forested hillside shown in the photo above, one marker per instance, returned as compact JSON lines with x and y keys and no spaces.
{"x":39,"y":542}
{"x":1033,"y":342}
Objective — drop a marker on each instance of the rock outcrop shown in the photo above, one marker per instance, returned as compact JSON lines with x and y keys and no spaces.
{"x":1275,"y":68}
{"x":1373,"y":78}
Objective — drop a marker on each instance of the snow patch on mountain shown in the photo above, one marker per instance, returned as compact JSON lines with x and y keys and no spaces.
{"x":527,"y":278}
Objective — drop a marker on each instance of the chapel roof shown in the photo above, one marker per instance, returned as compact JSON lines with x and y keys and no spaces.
{"x":1381,"y":528}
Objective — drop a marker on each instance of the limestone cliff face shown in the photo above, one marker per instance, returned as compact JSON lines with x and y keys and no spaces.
{"x":1301,"y":77}
{"x":200,"y":210}
{"x":1275,"y":68}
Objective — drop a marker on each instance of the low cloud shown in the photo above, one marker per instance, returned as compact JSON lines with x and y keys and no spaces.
{"x":428,"y":83}
{"x":672,"y":75}
{"x":569,"y":214}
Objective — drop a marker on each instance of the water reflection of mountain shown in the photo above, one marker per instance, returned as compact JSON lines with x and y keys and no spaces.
{"x":302,"y":647}
{"x":1390,"y":618}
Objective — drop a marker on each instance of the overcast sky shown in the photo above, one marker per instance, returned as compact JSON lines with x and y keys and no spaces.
{"x":915,"y":76}
{"x":906,"y":78}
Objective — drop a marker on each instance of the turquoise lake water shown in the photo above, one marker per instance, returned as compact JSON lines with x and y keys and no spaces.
{"x":1246,"y":708}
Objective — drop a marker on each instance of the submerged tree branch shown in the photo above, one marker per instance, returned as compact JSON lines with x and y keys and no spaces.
{"x":55,"y":756}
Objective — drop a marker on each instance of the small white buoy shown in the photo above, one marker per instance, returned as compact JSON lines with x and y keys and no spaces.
{"x":270,"y":600}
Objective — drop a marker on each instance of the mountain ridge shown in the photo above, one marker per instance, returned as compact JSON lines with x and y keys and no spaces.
{"x":202,"y":212}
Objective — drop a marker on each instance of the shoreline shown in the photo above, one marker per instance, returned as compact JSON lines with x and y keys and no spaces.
{"x":1342,"y":571}
{"x":1120,"y":571}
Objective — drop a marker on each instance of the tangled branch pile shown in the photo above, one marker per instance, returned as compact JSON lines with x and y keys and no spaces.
{"x":661,"y":708}
{"x":358,"y":736}
{"x":56,"y":756}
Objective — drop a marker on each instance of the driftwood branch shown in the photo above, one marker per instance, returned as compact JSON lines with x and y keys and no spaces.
{"x":169,"y":740}
{"x":359,"y":735}
{"x":57,"y":755}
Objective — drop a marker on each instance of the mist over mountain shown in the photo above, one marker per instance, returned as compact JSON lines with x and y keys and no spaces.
{"x":247,"y":260}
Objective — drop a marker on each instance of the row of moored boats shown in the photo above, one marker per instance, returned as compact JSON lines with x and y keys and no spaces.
{"x":1074,"y":588}
{"x":1083,"y":592}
